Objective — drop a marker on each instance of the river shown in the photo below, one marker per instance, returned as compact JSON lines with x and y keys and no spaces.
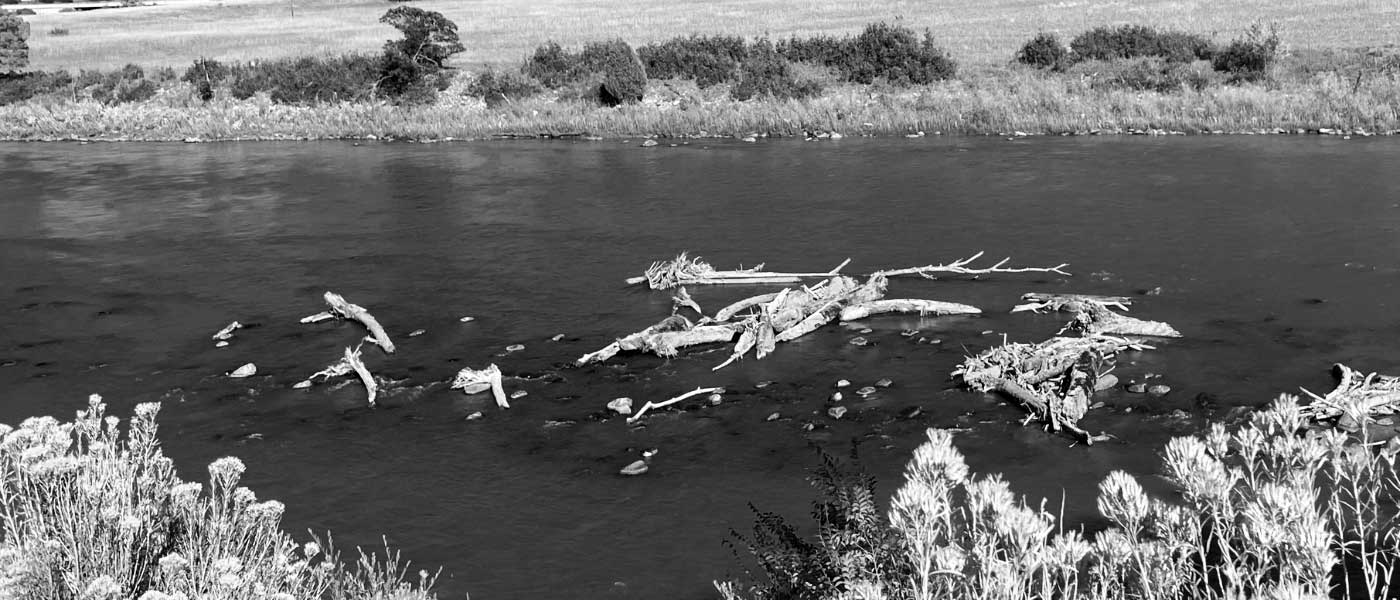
{"x":1275,"y":256}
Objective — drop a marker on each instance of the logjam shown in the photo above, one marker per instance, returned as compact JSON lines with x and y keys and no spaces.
{"x":1052,"y":379}
{"x":345,"y":310}
{"x":1356,"y":398}
{"x":650,"y":405}
{"x":684,"y":270}
{"x":923,"y":307}
{"x":474,"y":381}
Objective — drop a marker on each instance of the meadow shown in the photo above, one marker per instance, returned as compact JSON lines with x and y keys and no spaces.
{"x":502,"y":32}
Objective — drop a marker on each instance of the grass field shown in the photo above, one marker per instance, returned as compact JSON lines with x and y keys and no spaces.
{"x":985,"y":32}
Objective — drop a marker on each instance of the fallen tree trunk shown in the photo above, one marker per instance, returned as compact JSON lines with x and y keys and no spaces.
{"x":684,"y":270}
{"x":1097,"y":319}
{"x":728,"y":312}
{"x":474,"y":381}
{"x":346,"y":310}
{"x":352,"y":357}
{"x":923,"y":307}
{"x":1037,"y":302}
{"x":664,"y":339}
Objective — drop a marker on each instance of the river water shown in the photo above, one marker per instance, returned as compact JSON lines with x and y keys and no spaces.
{"x":1276,"y":257}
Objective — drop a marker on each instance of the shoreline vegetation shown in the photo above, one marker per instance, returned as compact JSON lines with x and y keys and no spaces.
{"x":888,"y":80}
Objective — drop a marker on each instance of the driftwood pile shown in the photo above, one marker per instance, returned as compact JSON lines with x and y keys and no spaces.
{"x":351,"y":361}
{"x":1356,"y":400}
{"x":1055,"y":378}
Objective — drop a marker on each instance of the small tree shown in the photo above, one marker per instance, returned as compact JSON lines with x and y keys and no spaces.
{"x":429,"y":38}
{"x":1044,"y":51}
{"x":14,"y":47}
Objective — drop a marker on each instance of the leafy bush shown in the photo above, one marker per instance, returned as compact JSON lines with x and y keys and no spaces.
{"x":551,"y":65}
{"x":766,"y":73}
{"x":14,"y":49}
{"x":429,"y":38}
{"x":23,"y":86}
{"x":1134,"y":41}
{"x":890,"y":52}
{"x":205,"y":74}
{"x":305,"y":80}
{"x":117,"y":87}
{"x":498,"y":87}
{"x":1152,"y":74}
{"x":1044,"y":51}
{"x":89,"y":513}
{"x":624,"y":77}
{"x":708,"y":60}
{"x":1248,"y":58}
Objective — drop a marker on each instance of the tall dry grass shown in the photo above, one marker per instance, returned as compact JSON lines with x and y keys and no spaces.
{"x":89,"y":513}
{"x":1273,"y":510}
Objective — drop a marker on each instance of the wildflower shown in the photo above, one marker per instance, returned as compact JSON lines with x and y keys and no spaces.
{"x":129,"y":524}
{"x":147,"y":410}
{"x":989,"y":496}
{"x":228,"y":564}
{"x":154,"y":595}
{"x":230,"y":580}
{"x":950,"y":559}
{"x":173,"y":563}
{"x":226,"y":471}
{"x":185,"y":494}
{"x":270,"y":510}
{"x":311,"y":549}
{"x":283,"y":596}
{"x":101,"y":588}
{"x":1218,"y":440}
{"x":55,"y":466}
{"x":937,"y":459}
{"x":243,"y":497}
{"x":1122,"y":500}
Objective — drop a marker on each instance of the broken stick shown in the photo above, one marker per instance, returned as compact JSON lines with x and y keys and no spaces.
{"x":650,"y":405}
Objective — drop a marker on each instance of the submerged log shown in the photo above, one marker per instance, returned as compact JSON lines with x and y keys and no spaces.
{"x":923,"y":307}
{"x":346,"y":310}
{"x":1356,"y":399}
{"x":474,"y":381}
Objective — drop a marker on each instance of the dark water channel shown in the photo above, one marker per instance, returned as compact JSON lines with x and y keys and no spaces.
{"x":1275,"y":256}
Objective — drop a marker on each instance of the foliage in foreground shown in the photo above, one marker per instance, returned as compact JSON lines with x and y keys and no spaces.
{"x":89,"y":514}
{"x":1269,"y":511}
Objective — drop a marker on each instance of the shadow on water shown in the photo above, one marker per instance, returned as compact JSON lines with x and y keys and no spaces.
{"x":1275,"y":256}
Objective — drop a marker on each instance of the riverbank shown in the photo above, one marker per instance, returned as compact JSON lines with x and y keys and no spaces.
{"x":1001,"y":102}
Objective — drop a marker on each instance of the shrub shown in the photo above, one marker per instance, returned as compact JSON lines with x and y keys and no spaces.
{"x":1134,"y":41}
{"x":498,"y":87}
{"x":205,"y":74}
{"x":890,"y":52}
{"x":624,"y":77}
{"x":25,"y":12}
{"x":767,"y":73}
{"x":304,"y":80}
{"x":90,"y":513}
{"x":58,"y":32}
{"x":1044,"y":51}
{"x":129,"y":84}
{"x":1248,"y":58}
{"x":708,"y":60}
{"x":551,"y":65}
{"x":23,"y":86}
{"x":429,"y":38}
{"x":1151,"y":74}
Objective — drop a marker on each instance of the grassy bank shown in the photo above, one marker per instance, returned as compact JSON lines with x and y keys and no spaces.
{"x":996,"y":101}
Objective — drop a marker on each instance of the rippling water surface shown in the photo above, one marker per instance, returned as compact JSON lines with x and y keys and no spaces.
{"x":1275,"y":256}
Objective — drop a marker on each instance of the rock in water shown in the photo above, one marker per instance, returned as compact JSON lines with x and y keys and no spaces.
{"x":1106,"y":382}
{"x":884,"y":383}
{"x":773,"y":417}
{"x":836,"y":412}
{"x":837,"y":397}
{"x":842,"y":383}
{"x":621,"y":406}
{"x":416,"y":332}
{"x":247,"y":370}
{"x":1137,"y":388}
{"x":910,"y":412}
{"x":518,"y":394}
{"x":866,"y":391}
{"x":515,"y":347}
{"x":716,"y":399}
{"x":1159,"y":390}
{"x":636,"y":468}
{"x":649,"y":143}
{"x":301,"y":385}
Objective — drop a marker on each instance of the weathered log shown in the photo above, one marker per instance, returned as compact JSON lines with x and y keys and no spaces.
{"x":1096,"y":319}
{"x":923,"y":307}
{"x":747,"y":340}
{"x":664,"y":339}
{"x":684,"y":270}
{"x":475,"y":381}
{"x":354,"y":312}
{"x":683,"y":299}
{"x":336,"y":369}
{"x":960,"y":267}
{"x":650,"y":405}
{"x":728,"y":312}
{"x":352,"y":357}
{"x":1356,"y":398}
{"x":227,"y":332}
{"x":318,"y":317}
{"x":1039,"y":407}
{"x":1037,"y":302}
{"x":767,"y":338}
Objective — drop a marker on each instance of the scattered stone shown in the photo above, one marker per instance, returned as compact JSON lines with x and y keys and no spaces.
{"x":247,"y":370}
{"x":552,"y":424}
{"x":988,"y":332}
{"x":716,"y":399}
{"x":836,"y":135}
{"x":515,"y":347}
{"x":1386,"y":421}
{"x":1156,"y":291}
{"x":1137,"y":388}
{"x":518,"y":394}
{"x":474,"y":416}
{"x":884,"y":383}
{"x":842,"y":383}
{"x":301,"y":385}
{"x":1106,"y":382}
{"x":866,"y":331}
{"x":557,"y":337}
{"x":911,"y":412}
{"x":467,"y":319}
{"x":909,"y":332}
{"x":649,"y":143}
{"x":750,"y":139}
{"x":773,"y":417}
{"x":1159,"y":390}
{"x":416,"y":333}
{"x":809,"y":427}
{"x":227,"y":332}
{"x":762,"y":384}
{"x":221,"y":344}
{"x":637,"y":467}
{"x":837,"y":397}
{"x":859,"y":341}
{"x":865,"y":391}
{"x":1097,"y":405}
{"x":621,"y":406}
{"x":836,"y":412}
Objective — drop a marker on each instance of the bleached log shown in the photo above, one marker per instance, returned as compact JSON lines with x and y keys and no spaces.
{"x":1038,"y":406}
{"x":1037,"y":302}
{"x":728,"y":312}
{"x":354,"y":312}
{"x":823,"y":315}
{"x":336,"y":369}
{"x":1355,"y":398}
{"x":682,"y":298}
{"x":227,"y":332}
{"x":747,"y":339}
{"x":650,"y":405}
{"x":475,"y":381}
{"x":923,"y":307}
{"x":767,"y":339}
{"x":633,"y":341}
{"x":352,"y":357}
{"x":667,"y":344}
{"x":1096,"y":319}
{"x":318,"y":317}
{"x":684,"y":270}
{"x":960,"y":267}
